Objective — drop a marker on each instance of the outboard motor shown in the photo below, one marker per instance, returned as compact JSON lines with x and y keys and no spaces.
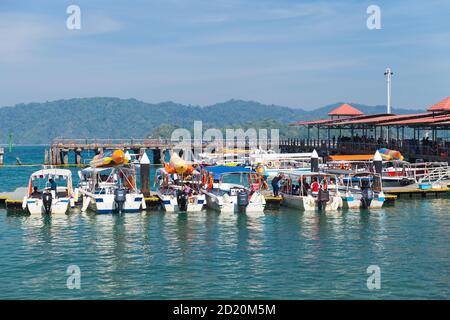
{"x":322,"y":198}
{"x":182,"y":200}
{"x":120,"y":198}
{"x":366,"y":199}
{"x":47,"y":202}
{"x":405,"y":182}
{"x":242,"y":200}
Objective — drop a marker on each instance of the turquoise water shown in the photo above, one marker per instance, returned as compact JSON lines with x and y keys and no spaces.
{"x":283,"y":254}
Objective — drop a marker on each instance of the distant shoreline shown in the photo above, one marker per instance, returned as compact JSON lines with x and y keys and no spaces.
{"x":5,"y":145}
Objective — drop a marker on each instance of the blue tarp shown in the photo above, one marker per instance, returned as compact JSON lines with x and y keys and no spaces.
{"x":217,"y":171}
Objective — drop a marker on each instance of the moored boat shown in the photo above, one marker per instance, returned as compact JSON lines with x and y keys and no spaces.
{"x":233,"y":189}
{"x":363,"y":190}
{"x":179,"y":192}
{"x":311,"y":191}
{"x":110,"y":190}
{"x":50,"y":191}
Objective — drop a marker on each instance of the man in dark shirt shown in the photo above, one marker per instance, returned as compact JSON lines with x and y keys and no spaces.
{"x":53,"y":184}
{"x":35,"y":193}
{"x":276,"y":184}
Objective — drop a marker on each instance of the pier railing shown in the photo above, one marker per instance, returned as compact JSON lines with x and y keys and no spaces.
{"x":416,"y":149}
{"x":150,"y":142}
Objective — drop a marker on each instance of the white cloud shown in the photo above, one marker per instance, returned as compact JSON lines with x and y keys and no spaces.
{"x":21,"y":35}
{"x":25,"y":37}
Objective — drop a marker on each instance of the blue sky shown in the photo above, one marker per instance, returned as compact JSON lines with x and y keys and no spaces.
{"x":295,"y":53}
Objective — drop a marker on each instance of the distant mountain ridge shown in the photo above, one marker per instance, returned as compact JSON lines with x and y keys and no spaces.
{"x":125,"y":118}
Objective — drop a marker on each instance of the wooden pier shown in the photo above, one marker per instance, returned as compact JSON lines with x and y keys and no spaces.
{"x":58,"y":154}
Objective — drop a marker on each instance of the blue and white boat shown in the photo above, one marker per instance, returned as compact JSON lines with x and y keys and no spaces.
{"x":110,"y":190}
{"x":362,"y":190}
{"x":179,"y":192}
{"x":233,"y":189}
{"x":41,"y":198}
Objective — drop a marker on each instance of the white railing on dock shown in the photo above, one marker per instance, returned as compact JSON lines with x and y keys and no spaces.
{"x":436,"y":174}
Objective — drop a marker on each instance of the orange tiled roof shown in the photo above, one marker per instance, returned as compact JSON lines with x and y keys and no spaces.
{"x":443,"y":105}
{"x":345,"y":110}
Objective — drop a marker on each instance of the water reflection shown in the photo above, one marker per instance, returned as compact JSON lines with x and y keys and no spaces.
{"x":283,"y":254}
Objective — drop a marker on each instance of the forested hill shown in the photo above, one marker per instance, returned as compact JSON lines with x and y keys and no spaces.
{"x":125,"y":118}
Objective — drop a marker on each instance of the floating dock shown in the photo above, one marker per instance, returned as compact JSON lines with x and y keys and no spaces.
{"x":14,"y":199}
{"x":415,"y":191}
{"x":271,"y":200}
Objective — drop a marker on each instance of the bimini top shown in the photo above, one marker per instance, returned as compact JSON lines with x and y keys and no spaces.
{"x":51,"y":172}
{"x":92,"y":169}
{"x":217,"y":171}
{"x":307,"y":174}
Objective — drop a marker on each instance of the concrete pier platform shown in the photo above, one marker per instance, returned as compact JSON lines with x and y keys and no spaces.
{"x":415,"y":191}
{"x":14,"y":198}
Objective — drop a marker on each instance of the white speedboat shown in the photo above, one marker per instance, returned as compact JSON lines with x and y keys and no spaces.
{"x":110,"y":190}
{"x":49,"y":191}
{"x":182,"y":194}
{"x":363,"y":190}
{"x":226,"y":190}
{"x":273,"y":163}
{"x":311,"y":191}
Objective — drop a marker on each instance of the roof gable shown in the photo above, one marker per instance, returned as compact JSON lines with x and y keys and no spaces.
{"x":443,"y":105}
{"x":345,"y":110}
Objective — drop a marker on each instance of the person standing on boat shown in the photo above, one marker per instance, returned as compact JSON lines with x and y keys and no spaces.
{"x":53,"y":187}
{"x":276,"y":184}
{"x":315,"y":187}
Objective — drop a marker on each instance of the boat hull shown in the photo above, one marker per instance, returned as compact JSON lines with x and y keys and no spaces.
{"x":36,"y":206}
{"x":309,"y":203}
{"x":170,"y":203}
{"x":228,"y":204}
{"x":105,"y":203}
{"x":354,"y":202}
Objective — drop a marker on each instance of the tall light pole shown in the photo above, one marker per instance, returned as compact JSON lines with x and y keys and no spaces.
{"x":388,"y":74}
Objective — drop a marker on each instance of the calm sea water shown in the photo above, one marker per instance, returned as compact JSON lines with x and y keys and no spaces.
{"x":283,"y":254}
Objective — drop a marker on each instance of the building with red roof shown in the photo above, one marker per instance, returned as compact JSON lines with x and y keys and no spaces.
{"x":350,"y":130}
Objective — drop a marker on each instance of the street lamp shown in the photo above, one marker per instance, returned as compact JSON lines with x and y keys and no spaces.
{"x":388,"y":74}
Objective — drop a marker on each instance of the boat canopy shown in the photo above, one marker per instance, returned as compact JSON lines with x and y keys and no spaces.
{"x":353,"y":157}
{"x":55,"y":174}
{"x":92,"y":169}
{"x":307,"y":174}
{"x":217,"y":171}
{"x":163,"y":171}
{"x":64,"y":173}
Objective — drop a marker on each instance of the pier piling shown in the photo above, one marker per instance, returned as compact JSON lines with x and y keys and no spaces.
{"x":78,"y":156}
{"x":157,"y":156}
{"x":378,"y":162}
{"x":46,"y":156}
{"x":314,"y":161}
{"x":65,"y":156}
{"x":145,"y":174}
{"x":1,"y":156}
